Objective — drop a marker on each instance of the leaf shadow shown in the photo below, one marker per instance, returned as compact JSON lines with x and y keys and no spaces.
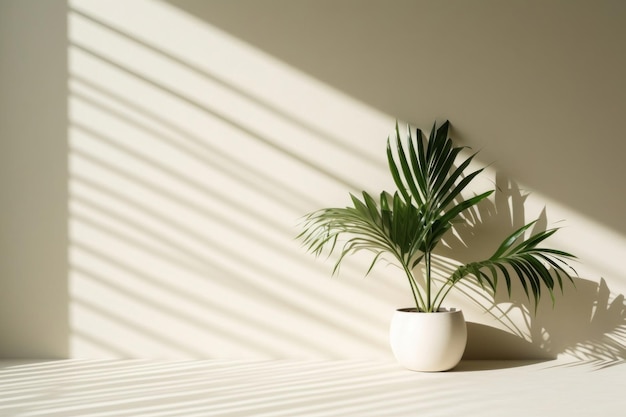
{"x":587,"y":321}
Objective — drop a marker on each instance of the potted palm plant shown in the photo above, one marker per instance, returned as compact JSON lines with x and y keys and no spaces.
{"x":405,"y":228}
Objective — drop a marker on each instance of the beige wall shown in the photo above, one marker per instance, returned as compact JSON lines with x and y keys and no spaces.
{"x":533,"y":83}
{"x":199,"y":132}
{"x":33,"y":180}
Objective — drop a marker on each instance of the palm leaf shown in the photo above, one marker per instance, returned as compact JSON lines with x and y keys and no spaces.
{"x":428,"y":177}
{"x":535,"y":268}
{"x":366,"y":225}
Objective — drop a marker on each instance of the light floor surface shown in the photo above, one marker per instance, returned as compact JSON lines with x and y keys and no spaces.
{"x":309,"y":388}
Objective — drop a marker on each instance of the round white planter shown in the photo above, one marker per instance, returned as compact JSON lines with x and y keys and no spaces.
{"x":428,"y":342}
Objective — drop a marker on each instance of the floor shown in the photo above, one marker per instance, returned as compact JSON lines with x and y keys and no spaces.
{"x":309,"y":388}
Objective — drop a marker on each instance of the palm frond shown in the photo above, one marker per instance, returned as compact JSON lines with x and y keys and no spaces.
{"x":535,"y":267}
{"x":428,"y":177}
{"x":390,"y":226}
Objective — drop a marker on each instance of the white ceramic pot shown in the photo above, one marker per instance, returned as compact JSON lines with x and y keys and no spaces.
{"x":428,"y":342}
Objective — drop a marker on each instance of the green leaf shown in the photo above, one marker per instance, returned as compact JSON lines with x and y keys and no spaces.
{"x":393,"y":168}
{"x":372,"y":208}
{"x":534,"y":240}
{"x":439,"y":189}
{"x":464,"y":205}
{"x":508,"y":242}
{"x":406,"y":171}
{"x":418,"y":170}
{"x":507,"y":277}
{"x":520,"y":275}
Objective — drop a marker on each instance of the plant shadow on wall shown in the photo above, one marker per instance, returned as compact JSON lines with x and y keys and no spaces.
{"x":587,"y":323}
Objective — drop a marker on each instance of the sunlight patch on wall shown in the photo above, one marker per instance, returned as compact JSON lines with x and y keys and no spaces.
{"x":192,"y":156}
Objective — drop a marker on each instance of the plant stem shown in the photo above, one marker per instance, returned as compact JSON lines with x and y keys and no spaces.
{"x":414,"y":287}
{"x":440,"y":297}
{"x":428,"y":279}
{"x":443,"y":291}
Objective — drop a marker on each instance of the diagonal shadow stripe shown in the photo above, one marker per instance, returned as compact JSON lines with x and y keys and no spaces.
{"x":195,"y":144}
{"x":202,"y":72}
{"x":218,"y":115}
{"x":203,"y":326}
{"x":205,"y":240}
